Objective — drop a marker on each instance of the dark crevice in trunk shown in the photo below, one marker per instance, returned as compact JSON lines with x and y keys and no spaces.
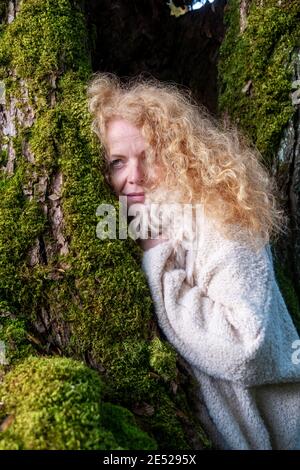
{"x":133,"y":37}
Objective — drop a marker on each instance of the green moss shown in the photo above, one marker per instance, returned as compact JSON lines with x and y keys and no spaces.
{"x":56,"y":404}
{"x":14,"y":337}
{"x":288,"y":292}
{"x":61,"y":26}
{"x":262,"y":54}
{"x":163,"y":359}
{"x":3,"y":157}
{"x":123,"y":426}
{"x":21,"y":220}
{"x":164,"y":424}
{"x":3,"y":10}
{"x":97,"y":291}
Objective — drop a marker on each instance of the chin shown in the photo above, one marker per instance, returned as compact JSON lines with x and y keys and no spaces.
{"x":136,"y":203}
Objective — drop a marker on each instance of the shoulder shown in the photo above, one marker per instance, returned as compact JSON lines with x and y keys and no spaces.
{"x":230,"y":263}
{"x":211,"y":243}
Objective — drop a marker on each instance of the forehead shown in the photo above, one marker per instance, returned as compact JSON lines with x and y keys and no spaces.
{"x":122,"y":132}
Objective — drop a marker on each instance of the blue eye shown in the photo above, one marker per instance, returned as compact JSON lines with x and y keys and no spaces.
{"x":114,"y":163}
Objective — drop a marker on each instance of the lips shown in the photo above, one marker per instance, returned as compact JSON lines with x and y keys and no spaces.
{"x":136,"y":197}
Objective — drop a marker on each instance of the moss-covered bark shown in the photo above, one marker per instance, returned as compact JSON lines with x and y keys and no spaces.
{"x":73,"y":294}
{"x":256,"y":70}
{"x":56,"y":403}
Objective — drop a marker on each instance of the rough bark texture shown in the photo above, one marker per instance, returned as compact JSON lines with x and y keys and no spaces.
{"x":286,"y":169}
{"x":62,"y":290}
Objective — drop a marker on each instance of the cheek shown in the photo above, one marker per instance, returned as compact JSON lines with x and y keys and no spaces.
{"x":116,"y":181}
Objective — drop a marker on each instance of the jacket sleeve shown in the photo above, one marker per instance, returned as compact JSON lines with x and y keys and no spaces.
{"x":224,"y":326}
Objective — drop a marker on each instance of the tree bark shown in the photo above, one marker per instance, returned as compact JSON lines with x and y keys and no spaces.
{"x":78,"y":296}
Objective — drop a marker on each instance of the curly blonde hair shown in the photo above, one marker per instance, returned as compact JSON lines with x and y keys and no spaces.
{"x":203,"y":160}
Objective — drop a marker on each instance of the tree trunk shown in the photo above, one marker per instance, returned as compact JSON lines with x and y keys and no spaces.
{"x":79,"y":296}
{"x":85,"y":298}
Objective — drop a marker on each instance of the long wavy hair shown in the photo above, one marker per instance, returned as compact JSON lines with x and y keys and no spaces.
{"x":203,"y":159}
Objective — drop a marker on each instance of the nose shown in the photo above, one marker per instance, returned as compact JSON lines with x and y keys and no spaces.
{"x":136,"y":173}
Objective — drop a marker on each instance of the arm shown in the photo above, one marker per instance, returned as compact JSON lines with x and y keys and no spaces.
{"x":225,"y":326}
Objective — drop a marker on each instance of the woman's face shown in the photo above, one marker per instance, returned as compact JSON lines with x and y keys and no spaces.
{"x":126,"y":150}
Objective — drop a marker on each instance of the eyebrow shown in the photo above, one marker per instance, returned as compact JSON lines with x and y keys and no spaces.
{"x":115,"y":155}
{"x":121,"y":156}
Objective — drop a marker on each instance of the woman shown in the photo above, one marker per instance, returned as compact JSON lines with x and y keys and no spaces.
{"x":213,"y":287}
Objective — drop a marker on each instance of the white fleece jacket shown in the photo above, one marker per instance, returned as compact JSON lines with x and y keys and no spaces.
{"x":233,"y":328}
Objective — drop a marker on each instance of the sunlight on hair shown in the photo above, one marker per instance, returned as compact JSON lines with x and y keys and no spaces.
{"x":203,"y":159}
